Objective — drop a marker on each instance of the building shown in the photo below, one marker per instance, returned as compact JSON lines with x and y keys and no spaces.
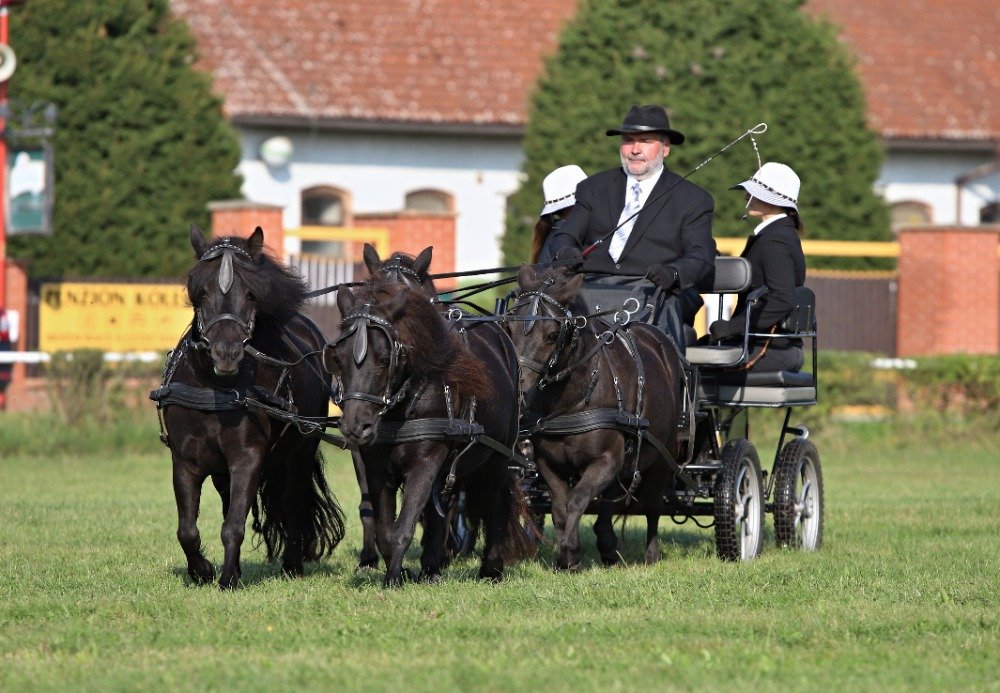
{"x":336,"y":94}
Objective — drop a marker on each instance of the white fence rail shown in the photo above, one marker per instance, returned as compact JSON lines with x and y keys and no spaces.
{"x":109,"y":356}
{"x":321,"y":272}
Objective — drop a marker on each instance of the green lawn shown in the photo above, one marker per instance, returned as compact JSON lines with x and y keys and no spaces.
{"x":94,"y":593}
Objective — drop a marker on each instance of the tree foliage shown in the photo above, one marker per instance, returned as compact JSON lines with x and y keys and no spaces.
{"x":141,"y":144}
{"x":719,"y":68}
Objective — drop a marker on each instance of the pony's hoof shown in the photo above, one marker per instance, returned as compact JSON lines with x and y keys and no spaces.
{"x":430,"y":578}
{"x":490,"y":575}
{"x":203,"y":574}
{"x":611,"y":559}
{"x":293,"y":571}
{"x":570,"y":568}
{"x":364,"y":568}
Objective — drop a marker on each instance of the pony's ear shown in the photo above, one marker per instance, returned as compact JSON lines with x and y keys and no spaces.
{"x":372,"y":260}
{"x":423,"y":261}
{"x":527,"y":279}
{"x":345,"y":300}
{"x":198,"y":241}
{"x":255,"y":244}
{"x":569,"y":290}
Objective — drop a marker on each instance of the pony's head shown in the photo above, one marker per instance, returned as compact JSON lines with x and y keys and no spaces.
{"x":391,"y":340}
{"x":234,"y":286}
{"x":546,"y":325}
{"x":400,"y":267}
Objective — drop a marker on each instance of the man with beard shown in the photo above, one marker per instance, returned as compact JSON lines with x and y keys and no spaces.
{"x":654,"y":227}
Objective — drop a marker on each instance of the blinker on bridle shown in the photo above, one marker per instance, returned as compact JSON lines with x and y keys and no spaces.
{"x":227,"y":251}
{"x":359,"y":323}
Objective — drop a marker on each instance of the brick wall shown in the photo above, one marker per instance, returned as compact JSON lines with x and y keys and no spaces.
{"x":241,"y":217}
{"x":949,"y":291}
{"x":410,"y":232}
{"x":21,"y":393}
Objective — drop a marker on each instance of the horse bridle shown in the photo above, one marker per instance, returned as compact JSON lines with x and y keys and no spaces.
{"x":568,"y":325}
{"x":359,"y":323}
{"x":226,"y":250}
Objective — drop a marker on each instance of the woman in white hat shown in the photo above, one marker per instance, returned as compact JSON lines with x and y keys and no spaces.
{"x":559,"y":189}
{"x":776,"y":260}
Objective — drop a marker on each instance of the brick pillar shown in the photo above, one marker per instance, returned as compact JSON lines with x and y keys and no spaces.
{"x":949,"y":291}
{"x":412,"y":231}
{"x":241,"y":217}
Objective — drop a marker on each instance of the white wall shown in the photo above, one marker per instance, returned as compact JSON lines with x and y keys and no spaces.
{"x":378,"y":170}
{"x":929,"y":177}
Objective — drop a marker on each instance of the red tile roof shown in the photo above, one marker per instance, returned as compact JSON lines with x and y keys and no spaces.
{"x":416,"y":61}
{"x":930,"y":68}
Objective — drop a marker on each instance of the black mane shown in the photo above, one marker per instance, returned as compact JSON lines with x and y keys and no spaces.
{"x":279,"y":292}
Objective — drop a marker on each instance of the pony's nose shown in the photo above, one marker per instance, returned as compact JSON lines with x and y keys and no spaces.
{"x":360,"y":432}
{"x":227,"y":356}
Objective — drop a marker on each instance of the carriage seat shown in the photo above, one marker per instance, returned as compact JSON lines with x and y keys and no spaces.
{"x":732,"y":275}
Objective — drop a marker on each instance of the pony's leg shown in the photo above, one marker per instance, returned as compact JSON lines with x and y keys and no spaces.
{"x":188,"y":481}
{"x":295,"y":509}
{"x":607,"y":540}
{"x":654,"y":485}
{"x":559,"y":492}
{"x":595,"y":478}
{"x":368,"y":558}
{"x":243,"y":479}
{"x":383,"y":496}
{"x":432,"y":559}
{"x":416,"y":493}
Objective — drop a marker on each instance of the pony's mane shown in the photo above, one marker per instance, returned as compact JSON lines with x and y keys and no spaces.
{"x":435,"y":350}
{"x":558,"y":278}
{"x":278,"y":291}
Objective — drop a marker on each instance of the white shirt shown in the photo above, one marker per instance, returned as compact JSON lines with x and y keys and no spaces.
{"x":645,"y":186}
{"x":761,"y":225}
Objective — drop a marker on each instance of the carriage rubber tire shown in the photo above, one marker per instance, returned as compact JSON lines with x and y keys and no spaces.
{"x":798,"y":497}
{"x":739,"y":532}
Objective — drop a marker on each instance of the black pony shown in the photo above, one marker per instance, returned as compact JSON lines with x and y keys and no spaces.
{"x":248,"y":350}
{"x":575,"y":373}
{"x":399,"y":363}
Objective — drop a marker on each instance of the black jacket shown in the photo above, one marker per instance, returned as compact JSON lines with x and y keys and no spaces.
{"x":674,"y":230}
{"x":776,"y":260}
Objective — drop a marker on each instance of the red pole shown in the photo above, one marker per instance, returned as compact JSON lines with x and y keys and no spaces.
{"x":4,"y":36}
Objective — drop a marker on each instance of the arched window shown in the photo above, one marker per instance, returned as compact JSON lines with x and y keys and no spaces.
{"x":430,"y":201}
{"x":990,"y":214}
{"x":909,"y":213}
{"x":325,"y":206}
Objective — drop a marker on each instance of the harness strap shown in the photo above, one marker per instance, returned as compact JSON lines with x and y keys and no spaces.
{"x":450,"y":430}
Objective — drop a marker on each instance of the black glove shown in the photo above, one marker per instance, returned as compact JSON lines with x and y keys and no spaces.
{"x":570,"y":258}
{"x":720,"y":329}
{"x":666,"y":278}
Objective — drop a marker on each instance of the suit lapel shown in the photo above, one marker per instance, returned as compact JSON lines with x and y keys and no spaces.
{"x":616,"y":197}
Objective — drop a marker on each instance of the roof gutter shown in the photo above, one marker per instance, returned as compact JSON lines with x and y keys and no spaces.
{"x":394,"y":126}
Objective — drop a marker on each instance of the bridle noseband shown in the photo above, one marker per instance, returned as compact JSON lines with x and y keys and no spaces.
{"x":359,"y":323}
{"x":568,"y":326}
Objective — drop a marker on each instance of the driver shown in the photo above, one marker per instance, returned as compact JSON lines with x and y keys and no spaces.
{"x":651,"y":223}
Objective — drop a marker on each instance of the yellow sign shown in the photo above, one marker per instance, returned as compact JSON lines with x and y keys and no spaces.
{"x":112,"y":317}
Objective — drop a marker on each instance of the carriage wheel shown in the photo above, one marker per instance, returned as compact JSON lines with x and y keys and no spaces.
{"x":798,"y":500}
{"x":462,"y":535}
{"x":739,"y":503}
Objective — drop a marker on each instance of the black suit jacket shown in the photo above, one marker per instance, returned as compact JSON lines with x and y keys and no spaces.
{"x":674,"y":230}
{"x":776,"y":260}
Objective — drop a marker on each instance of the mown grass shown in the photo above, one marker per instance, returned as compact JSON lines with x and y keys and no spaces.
{"x":94,"y":594}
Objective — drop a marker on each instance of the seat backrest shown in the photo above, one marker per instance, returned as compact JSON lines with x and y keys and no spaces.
{"x":802,"y":317}
{"x":732,"y":275}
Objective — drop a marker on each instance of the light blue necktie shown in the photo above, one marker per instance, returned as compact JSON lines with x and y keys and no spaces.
{"x":618,"y":241}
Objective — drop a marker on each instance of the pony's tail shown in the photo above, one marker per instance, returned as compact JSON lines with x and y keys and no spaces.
{"x":322,"y":520}
{"x":325,"y":526}
{"x":521,"y":535}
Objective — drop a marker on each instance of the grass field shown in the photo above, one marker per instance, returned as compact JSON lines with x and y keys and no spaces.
{"x":94,"y":594}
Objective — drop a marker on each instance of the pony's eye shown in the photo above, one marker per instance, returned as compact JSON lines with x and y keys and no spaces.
{"x":551,"y":337}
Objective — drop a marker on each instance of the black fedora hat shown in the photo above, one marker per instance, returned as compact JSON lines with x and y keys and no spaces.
{"x":648,"y":119}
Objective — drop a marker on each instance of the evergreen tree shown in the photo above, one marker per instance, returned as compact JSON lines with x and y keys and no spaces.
{"x":719,"y":67}
{"x":141,"y":144}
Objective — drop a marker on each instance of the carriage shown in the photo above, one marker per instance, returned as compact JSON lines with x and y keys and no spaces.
{"x":723,"y":480}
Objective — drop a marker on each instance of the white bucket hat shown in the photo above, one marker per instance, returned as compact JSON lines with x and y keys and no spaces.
{"x":559,"y":188}
{"x":775,"y":184}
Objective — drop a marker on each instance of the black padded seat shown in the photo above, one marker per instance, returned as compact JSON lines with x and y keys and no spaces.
{"x":762,"y":396}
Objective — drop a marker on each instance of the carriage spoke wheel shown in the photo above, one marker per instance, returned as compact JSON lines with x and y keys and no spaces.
{"x":739,"y":503}
{"x":798,"y":497}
